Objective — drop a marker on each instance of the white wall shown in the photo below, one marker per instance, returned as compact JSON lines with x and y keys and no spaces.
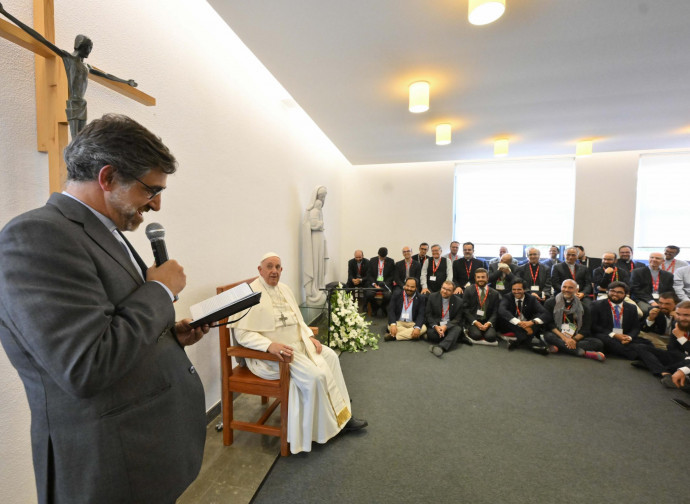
{"x":248,"y":163}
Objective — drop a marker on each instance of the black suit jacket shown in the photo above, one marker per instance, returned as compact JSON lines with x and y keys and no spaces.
{"x":601,"y":279}
{"x":354,"y":272}
{"x":531,"y":309}
{"x":633,"y":265}
{"x":117,"y":409}
{"x":396,"y":305}
{"x":388,"y":272}
{"x":586,"y":328}
{"x":602,"y":319}
{"x":434,"y":307}
{"x":460,"y":268}
{"x":495,"y":275}
{"x":471,"y":305}
{"x":420,"y":261}
{"x":592,"y":263}
{"x":658,"y":325}
{"x":561,"y":272}
{"x":543,"y":277}
{"x":415,"y":272}
{"x":641,"y":280}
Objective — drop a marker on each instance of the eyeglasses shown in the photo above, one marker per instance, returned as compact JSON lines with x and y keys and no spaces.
{"x":153,"y":192}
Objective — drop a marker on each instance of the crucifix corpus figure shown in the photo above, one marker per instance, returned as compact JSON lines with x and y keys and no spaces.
{"x":77,"y":72}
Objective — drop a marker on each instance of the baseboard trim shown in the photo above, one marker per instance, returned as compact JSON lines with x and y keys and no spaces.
{"x":213,"y":413}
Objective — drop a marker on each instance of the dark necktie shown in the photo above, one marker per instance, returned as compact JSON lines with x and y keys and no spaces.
{"x":519,"y":305}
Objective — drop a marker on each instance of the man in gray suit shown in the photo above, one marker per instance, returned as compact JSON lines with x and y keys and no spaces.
{"x":117,"y":409}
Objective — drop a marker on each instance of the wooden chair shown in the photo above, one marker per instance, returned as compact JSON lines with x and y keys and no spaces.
{"x":239,"y":379}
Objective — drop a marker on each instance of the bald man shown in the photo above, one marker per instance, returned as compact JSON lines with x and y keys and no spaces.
{"x":319,"y":404}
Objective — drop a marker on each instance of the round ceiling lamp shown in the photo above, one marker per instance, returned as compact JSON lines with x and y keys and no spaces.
{"x":419,"y":97}
{"x":483,"y":12}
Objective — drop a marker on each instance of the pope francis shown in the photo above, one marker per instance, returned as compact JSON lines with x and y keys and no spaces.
{"x":319,"y":405}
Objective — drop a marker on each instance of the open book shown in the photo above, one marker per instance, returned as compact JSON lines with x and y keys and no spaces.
{"x":224,"y":304}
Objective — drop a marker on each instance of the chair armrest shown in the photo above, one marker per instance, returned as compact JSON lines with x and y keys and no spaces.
{"x":237,"y":351}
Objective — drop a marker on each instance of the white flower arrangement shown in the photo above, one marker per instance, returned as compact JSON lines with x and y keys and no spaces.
{"x":349,"y":331}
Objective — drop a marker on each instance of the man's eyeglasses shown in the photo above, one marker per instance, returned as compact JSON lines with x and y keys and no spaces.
{"x":153,"y":191}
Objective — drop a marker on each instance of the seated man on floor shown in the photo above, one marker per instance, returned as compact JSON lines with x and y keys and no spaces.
{"x":568,"y":329}
{"x":380,"y":278}
{"x":671,"y":264}
{"x":444,"y":319}
{"x":664,"y":363}
{"x":657,"y":326}
{"x":616,"y":323}
{"x":406,"y":268}
{"x":577,"y":272}
{"x":523,"y":316}
{"x":536,"y":275}
{"x":319,"y":404}
{"x":435,"y":271}
{"x":481,"y":310}
{"x":606,"y":273}
{"x":406,"y":313}
{"x":647,"y":282}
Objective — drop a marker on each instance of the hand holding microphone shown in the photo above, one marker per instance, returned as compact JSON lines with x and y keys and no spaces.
{"x":167,"y":272}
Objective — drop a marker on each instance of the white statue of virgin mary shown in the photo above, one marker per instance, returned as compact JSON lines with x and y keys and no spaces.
{"x":314,"y":253}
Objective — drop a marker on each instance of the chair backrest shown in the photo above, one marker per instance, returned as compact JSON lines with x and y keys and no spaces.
{"x":227,"y":334}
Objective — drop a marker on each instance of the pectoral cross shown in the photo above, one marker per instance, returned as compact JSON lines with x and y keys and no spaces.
{"x":283,"y":319}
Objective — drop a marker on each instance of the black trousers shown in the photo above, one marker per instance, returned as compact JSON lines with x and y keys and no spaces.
{"x":630,"y":351}
{"x":661,"y":361}
{"x":448,"y":341}
{"x":584,"y":345}
{"x":369,"y":298}
{"x":489,"y":335}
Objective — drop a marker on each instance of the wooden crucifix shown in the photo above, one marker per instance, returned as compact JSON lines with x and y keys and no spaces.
{"x":58,"y":84}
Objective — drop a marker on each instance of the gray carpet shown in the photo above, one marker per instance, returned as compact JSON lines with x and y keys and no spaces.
{"x":484,"y":425}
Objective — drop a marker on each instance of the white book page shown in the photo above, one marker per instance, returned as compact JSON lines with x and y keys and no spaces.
{"x":219,"y":301}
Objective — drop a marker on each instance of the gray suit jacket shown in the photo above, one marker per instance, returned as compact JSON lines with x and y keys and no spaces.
{"x":117,"y":410}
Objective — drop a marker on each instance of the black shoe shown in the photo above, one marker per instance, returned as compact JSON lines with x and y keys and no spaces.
{"x":513,"y":345}
{"x":388,"y":337}
{"x":355,"y":424}
{"x":638,"y":364}
{"x":540,"y":349}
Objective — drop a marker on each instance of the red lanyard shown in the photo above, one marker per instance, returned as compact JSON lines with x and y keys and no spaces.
{"x":450,"y":256}
{"x":517,"y":309}
{"x":468,"y":270}
{"x":381,"y":267}
{"x":655,"y":285}
{"x":443,"y":313}
{"x":479,"y":296}
{"x":435,"y":266}
{"x":671,"y":267}
{"x":534,"y":276}
{"x":617,"y":320}
{"x":614,"y":276}
{"x":565,"y":317}
{"x":406,"y":305}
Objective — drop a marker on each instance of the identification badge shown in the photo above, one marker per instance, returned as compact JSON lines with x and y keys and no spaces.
{"x":617,"y":330}
{"x":480,"y":313}
{"x":500,"y":286}
{"x":432,"y":278}
{"x":655,"y":295}
{"x":405,"y":317}
{"x":379,"y":278}
{"x":568,"y":328}
{"x":534,"y":288}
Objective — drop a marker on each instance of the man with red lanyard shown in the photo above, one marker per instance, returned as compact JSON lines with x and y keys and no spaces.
{"x":648,"y":282}
{"x":672,"y":365}
{"x":625,"y":261}
{"x":481,"y":310}
{"x":406,"y":313}
{"x":578,"y":272}
{"x":422,"y":257}
{"x":357,"y":268}
{"x":443,"y":319}
{"x":464,"y":269}
{"x":436,"y":271}
{"x":616,"y":323}
{"x":671,"y":264}
{"x":454,"y":248}
{"x":569,"y":325}
{"x":606,"y":273}
{"x":380,"y":276}
{"x":536,"y":275}
{"x":523,"y":316}
{"x":406,"y":268}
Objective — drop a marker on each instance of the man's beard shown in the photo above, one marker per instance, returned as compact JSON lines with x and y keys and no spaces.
{"x":128,"y":214}
{"x":683,"y":326}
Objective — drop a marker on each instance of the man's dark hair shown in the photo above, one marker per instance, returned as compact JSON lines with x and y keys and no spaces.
{"x":468,"y":243}
{"x":416,"y":284}
{"x":480,"y":270}
{"x":624,"y":246}
{"x":118,"y":141}
{"x":455,"y":241}
{"x":673,"y":247}
{"x":383,"y":252}
{"x":670,"y":295}
{"x":424,"y":243}
{"x":515,"y":282}
{"x":582,"y":249}
{"x":622,"y":285}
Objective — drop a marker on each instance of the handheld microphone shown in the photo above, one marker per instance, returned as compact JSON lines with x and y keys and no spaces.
{"x":156,"y":234}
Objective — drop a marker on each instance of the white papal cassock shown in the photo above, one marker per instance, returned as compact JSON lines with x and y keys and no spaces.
{"x":319,"y":405}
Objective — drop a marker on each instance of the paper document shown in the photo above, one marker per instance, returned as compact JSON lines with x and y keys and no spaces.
{"x":220,"y":301}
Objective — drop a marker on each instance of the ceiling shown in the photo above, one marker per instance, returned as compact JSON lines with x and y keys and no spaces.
{"x":545,"y":75}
